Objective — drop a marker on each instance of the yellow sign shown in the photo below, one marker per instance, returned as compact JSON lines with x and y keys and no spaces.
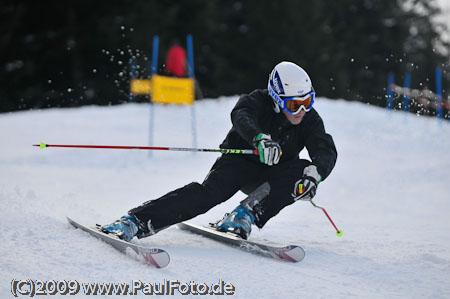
{"x":141,"y":86}
{"x":171,"y":90}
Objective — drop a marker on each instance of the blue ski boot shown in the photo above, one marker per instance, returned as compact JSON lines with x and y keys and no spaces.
{"x":125,"y":228}
{"x":238,"y":222}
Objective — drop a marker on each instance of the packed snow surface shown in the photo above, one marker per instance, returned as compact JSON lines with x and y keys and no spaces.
{"x":389,"y":193}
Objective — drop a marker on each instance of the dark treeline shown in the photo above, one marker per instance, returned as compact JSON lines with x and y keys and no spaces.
{"x":71,"y":53}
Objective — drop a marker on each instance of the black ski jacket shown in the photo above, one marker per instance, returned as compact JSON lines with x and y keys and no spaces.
{"x":254,"y":114}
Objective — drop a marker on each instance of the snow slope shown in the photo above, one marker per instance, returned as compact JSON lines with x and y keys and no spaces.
{"x":389,"y":194}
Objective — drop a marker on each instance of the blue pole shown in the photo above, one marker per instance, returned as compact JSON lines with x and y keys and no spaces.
{"x":132,"y":76}
{"x":439,"y":91}
{"x":151,"y":126}
{"x":194,"y":126}
{"x":407,"y":84}
{"x":190,"y":50}
{"x":155,"y":55}
{"x":154,"y":71}
{"x":389,"y":90}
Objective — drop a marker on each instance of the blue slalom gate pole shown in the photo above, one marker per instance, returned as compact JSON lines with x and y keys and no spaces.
{"x":439,"y":92}
{"x":407,"y":84}
{"x":390,"y":92}
{"x":190,"y":52}
{"x":194,"y":125}
{"x":155,"y":54}
{"x":151,"y":126}
{"x":154,"y":70}
{"x":132,"y":76}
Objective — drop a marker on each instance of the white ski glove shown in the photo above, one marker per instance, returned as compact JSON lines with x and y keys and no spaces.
{"x":306,"y":187}
{"x":269,"y":150}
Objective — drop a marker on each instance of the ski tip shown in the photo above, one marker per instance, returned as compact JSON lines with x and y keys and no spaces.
{"x":295,"y":254}
{"x":41,"y":145}
{"x":71,"y":221}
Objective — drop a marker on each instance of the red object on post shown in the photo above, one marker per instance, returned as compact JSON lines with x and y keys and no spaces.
{"x":176,"y":61}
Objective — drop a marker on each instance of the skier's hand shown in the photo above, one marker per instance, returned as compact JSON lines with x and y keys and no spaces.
{"x":306,"y":187}
{"x":269,"y":150}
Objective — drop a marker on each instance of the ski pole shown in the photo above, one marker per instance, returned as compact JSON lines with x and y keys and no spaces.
{"x":158,"y":148}
{"x":338,"y":232}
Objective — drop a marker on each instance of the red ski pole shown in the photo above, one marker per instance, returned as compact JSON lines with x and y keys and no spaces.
{"x":159,"y":148}
{"x":338,"y":232}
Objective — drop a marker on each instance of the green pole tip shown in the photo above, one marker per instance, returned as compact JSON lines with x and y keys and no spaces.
{"x":43,"y":145}
{"x":339,"y":233}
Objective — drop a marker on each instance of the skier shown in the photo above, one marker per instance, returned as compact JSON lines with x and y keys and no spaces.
{"x":279,"y":122}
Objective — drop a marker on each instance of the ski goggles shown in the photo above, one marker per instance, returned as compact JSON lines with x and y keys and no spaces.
{"x":295,"y":104}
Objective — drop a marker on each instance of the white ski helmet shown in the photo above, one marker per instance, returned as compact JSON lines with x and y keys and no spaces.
{"x":290,"y":88}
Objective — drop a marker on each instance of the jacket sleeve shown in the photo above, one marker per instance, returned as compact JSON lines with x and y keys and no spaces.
{"x":245,"y":115}
{"x":320,"y":145}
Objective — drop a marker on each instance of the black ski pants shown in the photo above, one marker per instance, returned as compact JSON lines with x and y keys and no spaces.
{"x":228,"y":175}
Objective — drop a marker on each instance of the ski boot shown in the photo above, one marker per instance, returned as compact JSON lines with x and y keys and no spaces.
{"x":125,"y":228}
{"x":238,"y":222}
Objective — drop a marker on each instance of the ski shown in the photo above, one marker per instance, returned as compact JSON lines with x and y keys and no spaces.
{"x":151,"y":256}
{"x":290,"y":253}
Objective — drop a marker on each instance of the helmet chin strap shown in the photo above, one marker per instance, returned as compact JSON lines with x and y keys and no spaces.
{"x":276,"y":108}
